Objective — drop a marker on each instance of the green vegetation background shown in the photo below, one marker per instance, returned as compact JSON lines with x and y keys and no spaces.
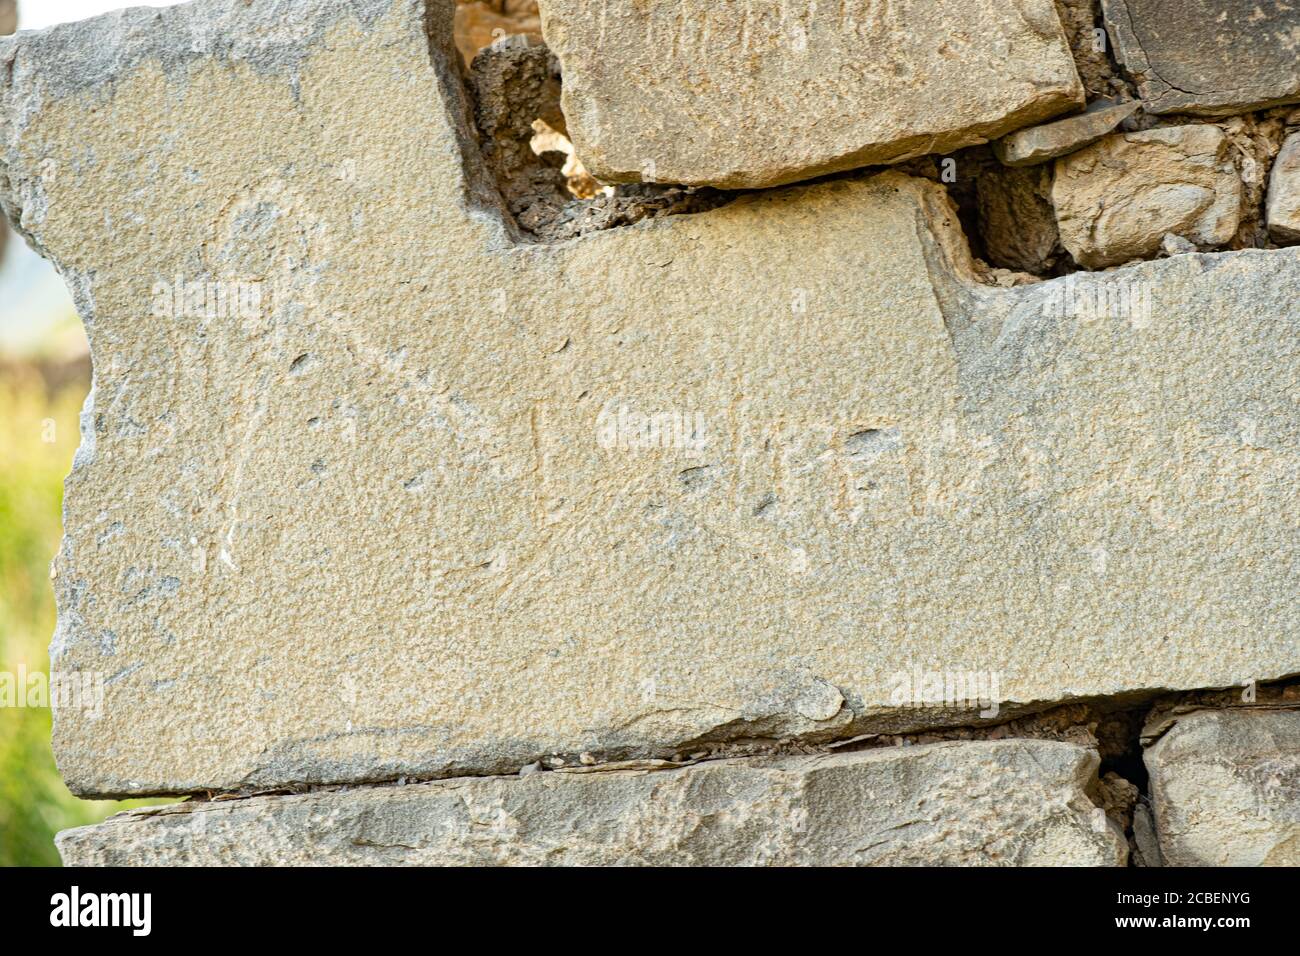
{"x":38,"y":436}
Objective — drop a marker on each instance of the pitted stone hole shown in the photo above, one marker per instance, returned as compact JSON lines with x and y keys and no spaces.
{"x":515,"y":84}
{"x":580,"y":183}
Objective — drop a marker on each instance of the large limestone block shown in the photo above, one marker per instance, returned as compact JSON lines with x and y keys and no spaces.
{"x":437,"y":501}
{"x":1283,"y":204}
{"x":1207,"y":57}
{"x":1225,"y":788}
{"x":1013,"y":802}
{"x":769,"y":92}
{"x":1119,"y":198}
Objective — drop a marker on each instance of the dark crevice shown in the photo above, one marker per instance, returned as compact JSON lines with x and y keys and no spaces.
{"x":515,"y":87}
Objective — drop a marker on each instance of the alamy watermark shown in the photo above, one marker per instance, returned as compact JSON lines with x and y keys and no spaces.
{"x":1100,"y":300}
{"x":620,"y":428}
{"x":71,"y":690}
{"x":962,"y":689}
{"x":207,"y":299}
{"x":132,"y":911}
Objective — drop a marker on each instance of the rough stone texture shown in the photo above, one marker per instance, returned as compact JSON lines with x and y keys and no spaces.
{"x":1019,"y":802}
{"x":388,"y":524}
{"x":1117,"y":199}
{"x":1256,"y":139}
{"x":480,"y":23}
{"x":1283,"y":210}
{"x":769,"y":92}
{"x":1038,"y":144}
{"x":8,"y":24}
{"x":1081,"y":20}
{"x":1208,"y":57}
{"x":1017,"y":221}
{"x":1145,"y":849}
{"x":1225,"y":788}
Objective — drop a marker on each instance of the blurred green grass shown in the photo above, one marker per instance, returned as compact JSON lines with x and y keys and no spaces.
{"x":38,"y":437}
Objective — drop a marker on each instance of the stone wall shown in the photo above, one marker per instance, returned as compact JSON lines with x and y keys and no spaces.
{"x":575,"y":446}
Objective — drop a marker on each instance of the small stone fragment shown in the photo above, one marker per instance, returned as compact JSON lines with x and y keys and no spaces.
{"x":1284,"y":193}
{"x":1117,"y":199}
{"x":762,"y":93}
{"x":1225,"y":788}
{"x":1017,"y":222}
{"x":1208,"y":57}
{"x":1173,"y":245}
{"x":1038,"y":144}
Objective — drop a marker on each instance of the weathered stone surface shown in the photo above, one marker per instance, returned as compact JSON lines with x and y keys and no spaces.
{"x":403,"y":515}
{"x":1117,"y":199}
{"x":1017,"y":221}
{"x":770,"y":92}
{"x":1256,"y":139}
{"x":1082,"y":19}
{"x":8,"y":24}
{"x":1283,"y":210}
{"x":1038,"y":144}
{"x":1208,"y":57}
{"x":1014,"y":802}
{"x":1225,"y":788}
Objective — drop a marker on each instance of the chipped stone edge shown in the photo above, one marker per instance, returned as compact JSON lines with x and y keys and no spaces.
{"x":1081,"y":775}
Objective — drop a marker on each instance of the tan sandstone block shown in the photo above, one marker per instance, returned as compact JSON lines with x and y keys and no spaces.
{"x":440,"y":501}
{"x":1225,"y":788}
{"x":1005,"y":803}
{"x":768,"y":92}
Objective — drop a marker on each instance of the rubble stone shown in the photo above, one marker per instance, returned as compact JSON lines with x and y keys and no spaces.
{"x":1017,"y":221}
{"x":1117,"y":199}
